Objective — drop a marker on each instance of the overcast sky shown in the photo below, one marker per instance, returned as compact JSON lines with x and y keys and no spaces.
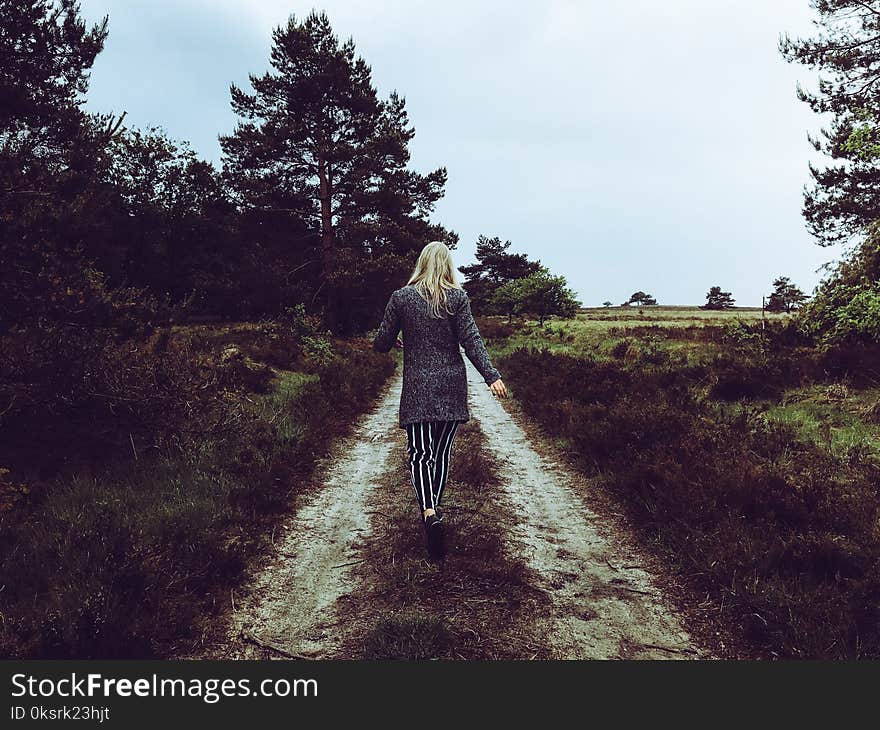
{"x":640,"y":145}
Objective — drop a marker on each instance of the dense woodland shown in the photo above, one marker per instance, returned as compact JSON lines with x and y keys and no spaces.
{"x":111,"y":233}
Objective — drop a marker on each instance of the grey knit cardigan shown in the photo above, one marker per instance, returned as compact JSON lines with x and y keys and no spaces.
{"x":434,"y":375}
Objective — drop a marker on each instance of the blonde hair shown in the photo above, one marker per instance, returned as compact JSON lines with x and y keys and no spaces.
{"x":433,"y":275}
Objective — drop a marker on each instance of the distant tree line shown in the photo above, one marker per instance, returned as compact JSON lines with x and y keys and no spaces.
{"x":786,"y":297}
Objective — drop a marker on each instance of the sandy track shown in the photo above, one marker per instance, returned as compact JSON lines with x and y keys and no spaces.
{"x":604,"y":604}
{"x":290,"y":604}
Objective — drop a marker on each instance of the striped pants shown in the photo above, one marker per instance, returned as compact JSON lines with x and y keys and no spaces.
{"x":429,"y":446}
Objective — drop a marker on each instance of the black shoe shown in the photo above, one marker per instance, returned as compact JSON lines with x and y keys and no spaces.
{"x":434,"y":535}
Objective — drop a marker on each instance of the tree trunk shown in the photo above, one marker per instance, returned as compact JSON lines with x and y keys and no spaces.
{"x":328,"y":245}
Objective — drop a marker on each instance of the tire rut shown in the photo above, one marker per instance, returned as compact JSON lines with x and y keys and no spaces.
{"x":604,"y":603}
{"x":290,"y":604}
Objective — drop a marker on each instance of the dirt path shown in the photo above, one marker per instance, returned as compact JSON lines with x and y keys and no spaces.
{"x":602,"y":602}
{"x":290,"y":605}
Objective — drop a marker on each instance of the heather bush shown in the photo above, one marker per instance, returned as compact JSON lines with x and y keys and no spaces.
{"x":494,"y":329}
{"x":189,"y":468}
{"x":780,"y":532}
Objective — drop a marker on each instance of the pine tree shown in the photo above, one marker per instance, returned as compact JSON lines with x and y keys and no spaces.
{"x":642,"y":299}
{"x":495,"y":267}
{"x":50,"y":151}
{"x":315,"y":141}
{"x":46,"y":54}
{"x":846,"y":193}
{"x":717,"y":299}
{"x":786,"y":296}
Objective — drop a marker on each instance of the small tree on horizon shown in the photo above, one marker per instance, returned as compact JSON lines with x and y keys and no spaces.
{"x":717,"y":299}
{"x":607,"y":303}
{"x":640,"y":298}
{"x":786,"y":296}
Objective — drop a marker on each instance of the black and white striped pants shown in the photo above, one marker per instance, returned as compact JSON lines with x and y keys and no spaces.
{"x":429,"y":446}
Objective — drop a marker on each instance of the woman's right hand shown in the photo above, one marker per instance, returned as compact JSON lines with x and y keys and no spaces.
{"x":498,"y":389}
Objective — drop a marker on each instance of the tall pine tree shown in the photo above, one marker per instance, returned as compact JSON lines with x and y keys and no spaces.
{"x":50,"y":149}
{"x":46,"y":53}
{"x":315,"y":141}
{"x":846,"y":194}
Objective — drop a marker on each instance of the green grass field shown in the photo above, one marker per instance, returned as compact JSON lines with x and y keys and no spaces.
{"x":836,"y":416}
{"x":599,"y":332}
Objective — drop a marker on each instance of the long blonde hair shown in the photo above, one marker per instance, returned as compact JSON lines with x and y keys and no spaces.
{"x":433,"y":275}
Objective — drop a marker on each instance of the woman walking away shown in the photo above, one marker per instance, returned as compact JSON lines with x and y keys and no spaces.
{"x":434,"y":313}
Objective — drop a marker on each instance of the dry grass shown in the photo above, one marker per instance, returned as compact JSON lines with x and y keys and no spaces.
{"x":477,"y":604}
{"x":127,"y":559}
{"x":780,"y":533}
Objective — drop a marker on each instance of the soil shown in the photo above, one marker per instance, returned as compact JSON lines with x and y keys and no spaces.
{"x":540,"y":564}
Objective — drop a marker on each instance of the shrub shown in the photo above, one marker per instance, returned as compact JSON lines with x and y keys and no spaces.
{"x":124,"y":557}
{"x":735,"y":379}
{"x":620,"y":348}
{"x":845,"y":310}
{"x":494,"y":329}
{"x":871,"y":412}
{"x":855,"y":319}
{"x":76,"y":398}
{"x":780,"y":532}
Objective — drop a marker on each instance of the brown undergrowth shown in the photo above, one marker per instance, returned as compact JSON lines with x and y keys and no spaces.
{"x":478,"y":603}
{"x":777,"y":533}
{"x":134,"y":555}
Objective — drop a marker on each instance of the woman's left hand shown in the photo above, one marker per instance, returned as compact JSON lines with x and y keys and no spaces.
{"x":499,"y":390}
{"x":399,"y":343}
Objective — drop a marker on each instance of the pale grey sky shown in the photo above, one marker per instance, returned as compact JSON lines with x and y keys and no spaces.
{"x":638,"y":145}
